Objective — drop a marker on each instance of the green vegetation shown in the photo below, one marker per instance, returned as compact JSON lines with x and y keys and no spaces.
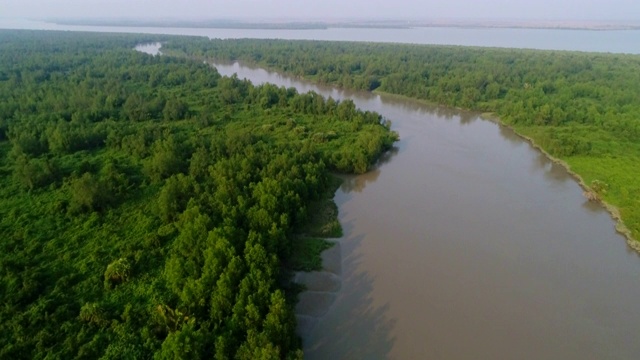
{"x":582,"y":108}
{"x":148,"y":206}
{"x":322,"y":223}
{"x":323,"y":214}
{"x":306,"y":254}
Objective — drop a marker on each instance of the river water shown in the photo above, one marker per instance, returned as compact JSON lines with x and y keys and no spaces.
{"x":615,"y":41}
{"x":467,"y":243}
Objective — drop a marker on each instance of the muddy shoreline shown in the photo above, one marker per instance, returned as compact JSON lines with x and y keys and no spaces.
{"x":321,"y":291}
{"x":620,"y":227}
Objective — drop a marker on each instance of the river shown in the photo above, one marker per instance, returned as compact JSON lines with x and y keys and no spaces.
{"x":467,"y":243}
{"x":615,"y":41}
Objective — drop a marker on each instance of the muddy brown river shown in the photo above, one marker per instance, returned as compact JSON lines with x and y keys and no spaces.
{"x":467,"y":243}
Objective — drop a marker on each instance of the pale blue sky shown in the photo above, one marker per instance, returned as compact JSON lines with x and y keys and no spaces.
{"x":327,"y":9}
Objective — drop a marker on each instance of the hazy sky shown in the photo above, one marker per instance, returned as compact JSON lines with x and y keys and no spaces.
{"x":306,"y":9}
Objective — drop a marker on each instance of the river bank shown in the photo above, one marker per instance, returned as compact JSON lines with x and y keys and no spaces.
{"x":589,"y":193}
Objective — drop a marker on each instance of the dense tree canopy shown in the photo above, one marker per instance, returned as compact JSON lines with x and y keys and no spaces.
{"x":580,"y":107}
{"x":148,"y":205}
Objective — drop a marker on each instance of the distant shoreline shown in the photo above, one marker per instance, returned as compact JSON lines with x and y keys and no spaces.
{"x":373,"y":24}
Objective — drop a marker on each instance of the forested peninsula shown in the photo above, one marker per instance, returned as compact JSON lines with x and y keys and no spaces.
{"x":150,"y":208}
{"x":580,"y":108}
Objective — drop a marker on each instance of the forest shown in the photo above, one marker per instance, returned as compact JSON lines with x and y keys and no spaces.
{"x":581,"y":108}
{"x":152,"y":209}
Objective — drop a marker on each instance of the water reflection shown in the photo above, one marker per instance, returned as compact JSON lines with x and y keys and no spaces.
{"x":467,"y":118}
{"x":364,"y":328}
{"x":445,"y":113}
{"x":592,"y":206}
{"x":357,"y":183}
{"x":387,"y":156}
{"x":551,"y":169}
{"x":509,"y":135}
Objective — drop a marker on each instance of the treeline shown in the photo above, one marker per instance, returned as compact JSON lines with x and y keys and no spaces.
{"x":148,"y":205}
{"x":580,"y":107}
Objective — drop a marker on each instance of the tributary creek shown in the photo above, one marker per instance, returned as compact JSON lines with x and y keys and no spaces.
{"x":467,"y":243}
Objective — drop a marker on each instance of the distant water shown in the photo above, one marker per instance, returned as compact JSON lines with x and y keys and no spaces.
{"x":615,"y":41}
{"x":151,"y":49}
